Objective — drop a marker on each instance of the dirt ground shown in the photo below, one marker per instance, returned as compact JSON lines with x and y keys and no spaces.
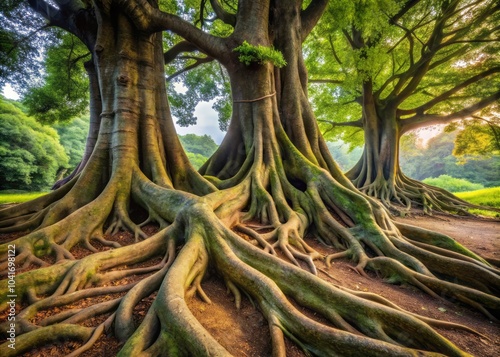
{"x":244,"y":332}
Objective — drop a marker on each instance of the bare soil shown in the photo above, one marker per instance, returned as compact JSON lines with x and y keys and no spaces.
{"x":244,"y":332}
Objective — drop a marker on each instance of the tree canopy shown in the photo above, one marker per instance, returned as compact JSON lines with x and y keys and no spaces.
{"x":385,"y":68}
{"x":73,"y":136}
{"x":435,"y":61}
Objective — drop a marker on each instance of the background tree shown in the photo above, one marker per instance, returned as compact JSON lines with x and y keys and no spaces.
{"x":271,"y":180}
{"x":198,"y":144}
{"x":63,"y":93}
{"x":394,"y":66}
{"x":198,"y":148}
{"x":30,"y":153}
{"x":479,"y":136}
{"x":73,"y":136}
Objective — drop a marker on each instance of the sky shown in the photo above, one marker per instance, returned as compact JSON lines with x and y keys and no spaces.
{"x":207,"y":123}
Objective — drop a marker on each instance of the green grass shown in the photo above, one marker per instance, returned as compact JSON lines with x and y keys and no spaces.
{"x":18,"y":197}
{"x":484,"y":197}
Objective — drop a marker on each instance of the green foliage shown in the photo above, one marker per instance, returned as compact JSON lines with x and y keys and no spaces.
{"x":356,"y":42}
{"x":478,"y":137}
{"x":202,"y":84}
{"x":484,"y":197}
{"x":21,"y":51}
{"x":437,"y":159}
{"x":196,"y":144}
{"x":30,"y":153}
{"x":345,"y":155}
{"x":73,"y":136}
{"x":63,"y":93}
{"x":259,"y":54}
{"x":197,"y":160}
{"x":198,"y":148}
{"x":452,"y":184}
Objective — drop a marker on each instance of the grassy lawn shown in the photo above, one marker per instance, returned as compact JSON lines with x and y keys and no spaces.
{"x":18,"y":197}
{"x":485,"y":197}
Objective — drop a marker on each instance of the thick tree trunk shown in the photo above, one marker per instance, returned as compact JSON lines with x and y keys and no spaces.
{"x":377,"y":170}
{"x":378,"y":173}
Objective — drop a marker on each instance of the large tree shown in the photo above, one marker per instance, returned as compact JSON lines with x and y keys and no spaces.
{"x":396,"y":66}
{"x":271,"y":181}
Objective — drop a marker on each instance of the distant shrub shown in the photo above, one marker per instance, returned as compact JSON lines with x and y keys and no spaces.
{"x":453,"y":184}
{"x":196,"y":160}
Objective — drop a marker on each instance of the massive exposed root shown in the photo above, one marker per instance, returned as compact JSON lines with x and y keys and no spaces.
{"x":400,"y":193}
{"x":249,"y":265}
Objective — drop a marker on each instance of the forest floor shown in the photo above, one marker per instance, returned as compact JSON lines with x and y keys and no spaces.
{"x":244,"y":332}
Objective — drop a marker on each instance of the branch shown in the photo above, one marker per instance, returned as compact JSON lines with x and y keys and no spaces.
{"x":50,"y":13}
{"x":222,"y":14}
{"x":149,"y":19}
{"x":199,"y":62}
{"x":332,"y":81}
{"x":449,"y":43}
{"x":445,"y":59}
{"x":355,"y":124}
{"x":178,"y":48}
{"x":311,"y":15}
{"x":333,"y":50}
{"x":477,"y":22}
{"x":15,"y":44}
{"x":422,"y":120}
{"x":415,"y":73}
{"x":495,"y":129}
{"x":349,"y":38}
{"x":421,"y":109}
{"x":407,"y":7}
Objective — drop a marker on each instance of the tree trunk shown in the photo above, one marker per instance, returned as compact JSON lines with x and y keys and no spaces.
{"x":378,"y":168}
{"x":378,"y":173}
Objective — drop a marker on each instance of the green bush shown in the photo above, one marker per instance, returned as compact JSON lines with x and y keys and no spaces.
{"x":18,"y":196}
{"x":30,"y":153}
{"x":485,"y":197}
{"x":196,"y":160}
{"x":453,"y":184}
